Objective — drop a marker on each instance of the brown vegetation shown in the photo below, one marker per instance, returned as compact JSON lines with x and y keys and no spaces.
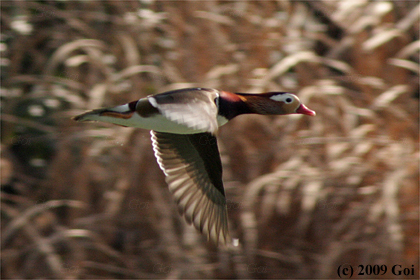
{"x":306,"y":195}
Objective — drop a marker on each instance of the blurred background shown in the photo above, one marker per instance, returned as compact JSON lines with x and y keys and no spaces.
{"x":305,"y":194}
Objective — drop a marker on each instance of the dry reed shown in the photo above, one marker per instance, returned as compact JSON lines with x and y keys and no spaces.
{"x":305,"y":195}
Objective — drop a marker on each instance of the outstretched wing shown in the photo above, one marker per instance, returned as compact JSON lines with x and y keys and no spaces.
{"x":193,"y":169}
{"x":193,"y":107}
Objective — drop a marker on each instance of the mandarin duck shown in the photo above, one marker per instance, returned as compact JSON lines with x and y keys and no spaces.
{"x":183,"y":125}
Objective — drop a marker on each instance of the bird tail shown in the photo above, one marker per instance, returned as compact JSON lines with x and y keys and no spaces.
{"x":112,"y":115}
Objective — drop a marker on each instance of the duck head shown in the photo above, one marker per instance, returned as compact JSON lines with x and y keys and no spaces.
{"x":269,"y":103}
{"x":288,"y":103}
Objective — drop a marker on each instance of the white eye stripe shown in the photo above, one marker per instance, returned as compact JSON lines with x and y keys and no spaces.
{"x":285,"y":97}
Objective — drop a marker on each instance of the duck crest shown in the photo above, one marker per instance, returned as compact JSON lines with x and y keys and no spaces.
{"x":232,"y":105}
{"x":263,"y":104}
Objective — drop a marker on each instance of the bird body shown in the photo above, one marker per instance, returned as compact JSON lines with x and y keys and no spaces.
{"x":183,"y":124}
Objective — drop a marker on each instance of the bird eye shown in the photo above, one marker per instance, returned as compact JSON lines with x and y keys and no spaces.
{"x":289,"y":100}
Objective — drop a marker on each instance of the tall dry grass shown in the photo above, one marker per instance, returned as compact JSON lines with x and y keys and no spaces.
{"x":305,"y":195}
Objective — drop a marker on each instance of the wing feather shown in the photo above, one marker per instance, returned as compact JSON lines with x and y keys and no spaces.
{"x":194,"y":175}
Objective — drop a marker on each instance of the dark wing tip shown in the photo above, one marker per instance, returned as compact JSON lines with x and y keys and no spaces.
{"x":85,"y":115}
{"x":77,"y":118}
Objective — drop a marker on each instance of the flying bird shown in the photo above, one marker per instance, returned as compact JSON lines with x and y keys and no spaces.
{"x":183,"y":125}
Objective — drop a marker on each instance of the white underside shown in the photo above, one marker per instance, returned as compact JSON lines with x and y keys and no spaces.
{"x":156,"y":122}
